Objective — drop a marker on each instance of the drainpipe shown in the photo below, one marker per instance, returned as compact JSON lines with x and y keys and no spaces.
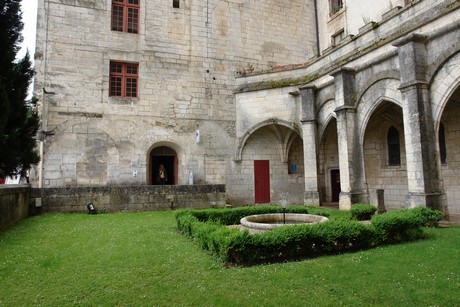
{"x":317,"y":27}
{"x":40,"y":166}
{"x":43,"y":119}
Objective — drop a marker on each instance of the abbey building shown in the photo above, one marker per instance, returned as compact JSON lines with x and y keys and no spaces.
{"x":312,"y":101}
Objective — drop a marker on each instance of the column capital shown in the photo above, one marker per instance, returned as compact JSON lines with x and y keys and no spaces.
{"x":342,"y":109}
{"x":344,"y":83}
{"x":412,"y":55}
{"x":410,"y":38}
{"x":308,"y":88}
{"x":343,"y":71}
{"x":308,"y":95}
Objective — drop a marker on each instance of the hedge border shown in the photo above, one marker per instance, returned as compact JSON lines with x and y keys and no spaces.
{"x":231,"y":245}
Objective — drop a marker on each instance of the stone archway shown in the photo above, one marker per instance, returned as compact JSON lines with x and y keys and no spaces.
{"x":450,"y":163}
{"x":168,"y":157}
{"x":329,"y":180}
{"x":383,"y":139}
{"x":280,"y":150}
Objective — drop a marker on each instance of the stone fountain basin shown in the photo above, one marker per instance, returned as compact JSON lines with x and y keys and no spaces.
{"x":265,"y":222}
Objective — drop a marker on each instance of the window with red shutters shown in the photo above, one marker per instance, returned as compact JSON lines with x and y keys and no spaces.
{"x":125,"y":16}
{"x":123,"y":79}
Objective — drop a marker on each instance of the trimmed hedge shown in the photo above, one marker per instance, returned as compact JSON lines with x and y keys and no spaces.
{"x":362,"y":212}
{"x":208,"y":229}
{"x":231,"y":216}
{"x":405,"y":224}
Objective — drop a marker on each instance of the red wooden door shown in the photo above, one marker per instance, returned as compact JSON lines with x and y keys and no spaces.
{"x":335,"y":185}
{"x":262,"y":181}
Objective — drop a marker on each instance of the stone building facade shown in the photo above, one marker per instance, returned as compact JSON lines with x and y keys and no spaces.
{"x":345,"y":99}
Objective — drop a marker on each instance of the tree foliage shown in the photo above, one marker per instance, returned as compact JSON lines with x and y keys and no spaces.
{"x":18,"y":120}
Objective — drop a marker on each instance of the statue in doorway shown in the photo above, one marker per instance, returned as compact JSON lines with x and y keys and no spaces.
{"x":162,"y":175}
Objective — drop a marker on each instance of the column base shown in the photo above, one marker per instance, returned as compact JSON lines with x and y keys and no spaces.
{"x":346,"y":199}
{"x":435,"y":201}
{"x":311,"y":198}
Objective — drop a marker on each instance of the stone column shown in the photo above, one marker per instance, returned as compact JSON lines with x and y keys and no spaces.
{"x":352,"y":182}
{"x":423,"y":168}
{"x":310,"y":155}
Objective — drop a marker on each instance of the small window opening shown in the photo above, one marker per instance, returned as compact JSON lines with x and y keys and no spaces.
{"x":394,"y":151}
{"x":338,"y":37}
{"x":176,"y":4}
{"x":335,"y":6}
{"x":442,"y":144}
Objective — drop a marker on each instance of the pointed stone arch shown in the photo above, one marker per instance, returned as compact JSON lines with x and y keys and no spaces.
{"x":379,"y":92}
{"x":443,"y":85}
{"x":283,"y":138}
{"x":329,"y":183}
{"x":382,"y":170}
{"x":445,"y":102}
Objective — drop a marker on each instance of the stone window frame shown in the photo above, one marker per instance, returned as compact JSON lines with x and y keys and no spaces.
{"x":335,"y":6}
{"x":337,"y":37}
{"x":123,"y":79}
{"x":442,"y":144}
{"x":125,"y":16}
{"x":393,"y":146}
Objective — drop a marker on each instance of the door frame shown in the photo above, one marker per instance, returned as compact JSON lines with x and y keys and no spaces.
{"x":262,"y":196}
{"x":335,"y":186}
{"x":158,"y":153}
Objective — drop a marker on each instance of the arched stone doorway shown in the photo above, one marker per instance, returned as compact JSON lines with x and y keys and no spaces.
{"x":329,"y":174}
{"x":449,"y":155}
{"x":168,"y":157}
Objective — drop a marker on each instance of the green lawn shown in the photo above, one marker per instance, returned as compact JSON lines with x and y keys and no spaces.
{"x":140,"y":259}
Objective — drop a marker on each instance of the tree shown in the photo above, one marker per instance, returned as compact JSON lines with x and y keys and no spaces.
{"x":18,"y":120}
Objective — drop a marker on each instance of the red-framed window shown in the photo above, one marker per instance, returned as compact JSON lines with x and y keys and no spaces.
{"x":124,"y":79}
{"x":125,"y":16}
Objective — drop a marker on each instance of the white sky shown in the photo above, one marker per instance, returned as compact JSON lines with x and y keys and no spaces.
{"x":29,"y":18}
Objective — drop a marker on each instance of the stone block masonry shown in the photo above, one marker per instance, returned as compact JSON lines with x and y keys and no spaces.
{"x":14,"y":204}
{"x":128,"y":198}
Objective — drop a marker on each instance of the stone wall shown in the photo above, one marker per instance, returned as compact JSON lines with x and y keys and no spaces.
{"x":188,"y":61}
{"x":129,"y":198}
{"x":264,"y":144}
{"x":14,"y":204}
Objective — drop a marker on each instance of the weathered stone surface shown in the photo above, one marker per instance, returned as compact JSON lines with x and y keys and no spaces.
{"x":328,"y":110}
{"x":129,"y":198}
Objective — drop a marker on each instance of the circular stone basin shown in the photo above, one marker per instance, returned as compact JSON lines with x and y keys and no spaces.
{"x":265,"y":222}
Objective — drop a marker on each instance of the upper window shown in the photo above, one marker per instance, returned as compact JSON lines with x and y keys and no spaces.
{"x":123,"y":79}
{"x":335,"y":6}
{"x":337,"y":37}
{"x":394,"y":151}
{"x":125,"y":16}
{"x":176,"y":4}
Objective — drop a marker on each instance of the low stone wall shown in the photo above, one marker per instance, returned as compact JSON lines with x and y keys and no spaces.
{"x":14,"y":204}
{"x":127,"y":198}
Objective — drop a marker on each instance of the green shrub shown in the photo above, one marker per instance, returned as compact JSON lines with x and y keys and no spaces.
{"x":207,"y":228}
{"x":231,"y":216}
{"x":429,"y":216}
{"x":405,"y":224}
{"x":362,"y":212}
{"x":302,"y":241}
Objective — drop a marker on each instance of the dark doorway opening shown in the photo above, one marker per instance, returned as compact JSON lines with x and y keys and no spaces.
{"x":168,"y":157}
{"x":335,"y":185}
